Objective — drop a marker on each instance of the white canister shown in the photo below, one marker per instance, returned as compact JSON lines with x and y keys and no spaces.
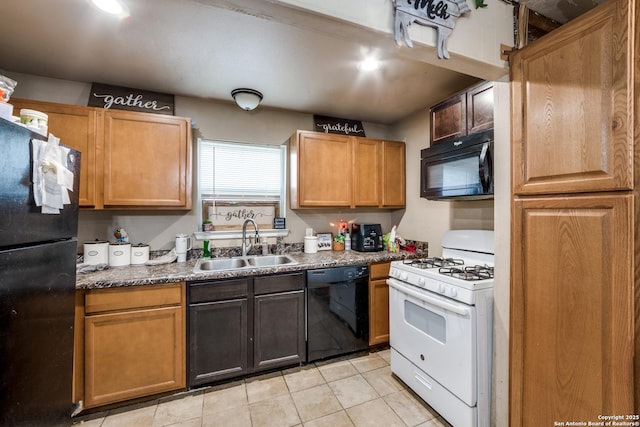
{"x":310,"y":244}
{"x":119,"y":254}
{"x":36,"y":120}
{"x":139,"y":254}
{"x":96,"y":252}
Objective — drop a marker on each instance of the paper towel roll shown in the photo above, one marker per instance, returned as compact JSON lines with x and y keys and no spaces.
{"x":310,"y":244}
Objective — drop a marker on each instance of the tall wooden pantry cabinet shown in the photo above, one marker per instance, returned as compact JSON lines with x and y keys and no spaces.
{"x":575,"y":261}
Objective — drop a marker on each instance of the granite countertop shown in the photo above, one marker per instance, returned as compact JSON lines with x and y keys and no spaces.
{"x":178,"y":272}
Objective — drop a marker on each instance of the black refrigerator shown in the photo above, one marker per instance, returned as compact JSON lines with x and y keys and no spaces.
{"x":37,"y":288}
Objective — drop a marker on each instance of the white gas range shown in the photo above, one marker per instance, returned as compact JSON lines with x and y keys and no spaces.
{"x":441,"y":326}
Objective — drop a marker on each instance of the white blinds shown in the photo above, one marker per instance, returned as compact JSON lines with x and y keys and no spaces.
{"x":240,"y":171}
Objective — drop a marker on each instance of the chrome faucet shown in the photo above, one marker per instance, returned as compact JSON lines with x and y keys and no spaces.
{"x":246,"y":248}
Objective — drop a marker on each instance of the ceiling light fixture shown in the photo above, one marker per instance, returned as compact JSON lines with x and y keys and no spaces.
{"x":247,"y":99}
{"x":113,"y":7}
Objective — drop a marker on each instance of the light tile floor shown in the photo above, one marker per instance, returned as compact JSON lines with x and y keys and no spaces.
{"x":357,"y":391}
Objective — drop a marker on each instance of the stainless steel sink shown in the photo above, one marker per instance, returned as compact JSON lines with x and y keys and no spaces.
{"x":220,"y":264}
{"x":269,"y":260}
{"x":237,"y":263}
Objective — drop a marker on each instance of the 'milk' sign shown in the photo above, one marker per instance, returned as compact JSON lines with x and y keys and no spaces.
{"x":439,"y":14}
{"x":124,"y":98}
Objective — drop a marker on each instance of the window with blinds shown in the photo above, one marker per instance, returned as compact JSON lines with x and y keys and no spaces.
{"x":233,"y":171}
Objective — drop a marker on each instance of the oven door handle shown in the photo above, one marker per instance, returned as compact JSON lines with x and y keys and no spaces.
{"x":422,"y":296}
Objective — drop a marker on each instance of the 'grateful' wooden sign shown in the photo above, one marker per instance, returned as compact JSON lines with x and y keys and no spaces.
{"x":328,"y":124}
{"x":124,"y":98}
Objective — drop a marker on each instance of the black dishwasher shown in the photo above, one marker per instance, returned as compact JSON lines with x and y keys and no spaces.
{"x":337,"y":311}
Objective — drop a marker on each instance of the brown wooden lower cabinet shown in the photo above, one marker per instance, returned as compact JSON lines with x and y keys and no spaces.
{"x":571,"y":309}
{"x":379,"y":303}
{"x":134,"y":343}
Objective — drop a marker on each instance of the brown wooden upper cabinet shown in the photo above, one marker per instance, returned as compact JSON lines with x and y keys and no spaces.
{"x":77,"y":127}
{"x":574,"y":242}
{"x":463,"y":114}
{"x":329,"y":170}
{"x":156,"y":171}
{"x":571,"y":131}
{"x":129,"y":159}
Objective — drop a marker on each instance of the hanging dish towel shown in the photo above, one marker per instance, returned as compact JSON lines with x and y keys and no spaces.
{"x":52,"y":181}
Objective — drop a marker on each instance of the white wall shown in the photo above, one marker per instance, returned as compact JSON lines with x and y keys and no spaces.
{"x":501,"y":285}
{"x":428,"y":220}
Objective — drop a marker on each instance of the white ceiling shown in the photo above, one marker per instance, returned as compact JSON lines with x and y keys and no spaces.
{"x":561,"y":11}
{"x":206,"y":48}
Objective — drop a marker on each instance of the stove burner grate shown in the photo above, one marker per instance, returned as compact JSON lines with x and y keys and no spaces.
{"x":433,"y":262}
{"x":473,"y":272}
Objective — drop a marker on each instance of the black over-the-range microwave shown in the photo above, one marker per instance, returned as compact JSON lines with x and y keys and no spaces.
{"x":458,"y":169}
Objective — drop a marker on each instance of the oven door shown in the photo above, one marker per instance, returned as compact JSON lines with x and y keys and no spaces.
{"x":437,"y":335}
{"x":458,"y":169}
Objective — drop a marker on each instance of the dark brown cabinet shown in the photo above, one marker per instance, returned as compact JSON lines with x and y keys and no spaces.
{"x":218,"y":330}
{"x":464,"y":113}
{"x":278,"y":321}
{"x":245,"y":325}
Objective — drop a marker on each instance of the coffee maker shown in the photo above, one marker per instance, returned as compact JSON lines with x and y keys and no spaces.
{"x":366,"y":237}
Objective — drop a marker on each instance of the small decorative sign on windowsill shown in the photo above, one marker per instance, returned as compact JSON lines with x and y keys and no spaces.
{"x":124,"y":98}
{"x":339,"y":126}
{"x":231,"y":216}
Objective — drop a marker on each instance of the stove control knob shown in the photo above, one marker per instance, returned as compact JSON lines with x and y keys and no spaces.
{"x":421,"y":281}
{"x":392,"y":272}
{"x":404,"y":276}
{"x":453,"y":292}
{"x":441,"y":288}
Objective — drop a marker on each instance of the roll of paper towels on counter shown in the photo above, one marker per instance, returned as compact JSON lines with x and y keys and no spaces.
{"x":310,"y":244}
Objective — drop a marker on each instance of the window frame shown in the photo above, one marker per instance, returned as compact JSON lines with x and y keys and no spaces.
{"x":281,"y":207}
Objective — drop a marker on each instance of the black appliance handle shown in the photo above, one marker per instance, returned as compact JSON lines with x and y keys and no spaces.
{"x":485,"y":167}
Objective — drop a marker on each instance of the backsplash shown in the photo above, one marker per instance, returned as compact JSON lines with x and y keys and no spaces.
{"x":280,"y":247}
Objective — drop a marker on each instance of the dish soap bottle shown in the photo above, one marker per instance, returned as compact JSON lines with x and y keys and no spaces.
{"x":205,"y":249}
